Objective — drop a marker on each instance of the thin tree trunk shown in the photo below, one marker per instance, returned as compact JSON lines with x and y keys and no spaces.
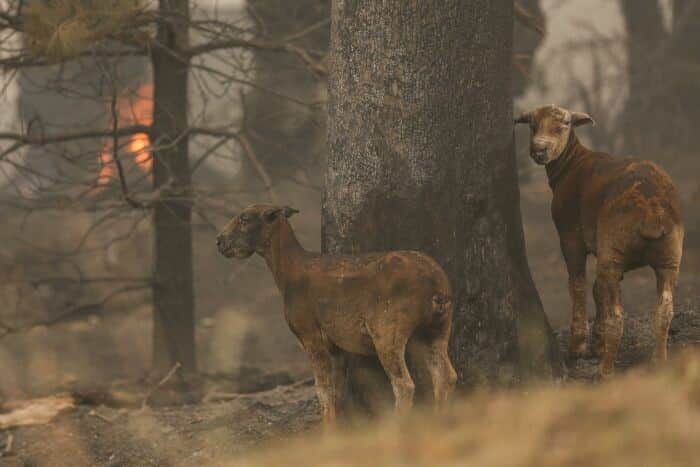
{"x":526,"y":41}
{"x":287,"y":137}
{"x":421,"y":157}
{"x":685,"y":50}
{"x":648,"y":106}
{"x":663,"y":108}
{"x":173,"y":294}
{"x":686,"y":53}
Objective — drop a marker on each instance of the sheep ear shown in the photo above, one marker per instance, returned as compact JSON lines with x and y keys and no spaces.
{"x":581,"y":118}
{"x":289,"y":212}
{"x":271,"y":214}
{"x":523,"y":118}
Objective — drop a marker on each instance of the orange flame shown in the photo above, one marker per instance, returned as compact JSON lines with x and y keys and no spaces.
{"x":133,"y":109}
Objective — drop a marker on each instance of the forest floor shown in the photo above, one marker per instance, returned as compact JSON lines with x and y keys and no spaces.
{"x":253,"y":409}
{"x":227,"y":427}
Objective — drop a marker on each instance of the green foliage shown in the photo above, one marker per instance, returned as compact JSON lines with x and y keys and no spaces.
{"x":61,"y":29}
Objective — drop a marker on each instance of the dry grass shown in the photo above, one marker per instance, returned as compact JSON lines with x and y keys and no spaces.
{"x":61,"y":29}
{"x":639,"y":419}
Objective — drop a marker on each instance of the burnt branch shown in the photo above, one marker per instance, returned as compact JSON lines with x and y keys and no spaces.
{"x":528,"y":19}
{"x":77,"y":313}
{"x":315,"y":65}
{"x":43,"y":140}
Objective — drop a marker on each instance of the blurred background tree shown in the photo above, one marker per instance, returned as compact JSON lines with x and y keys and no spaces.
{"x":114,"y":96}
{"x":663,"y":63}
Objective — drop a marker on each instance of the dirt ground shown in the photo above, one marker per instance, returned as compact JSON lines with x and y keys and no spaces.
{"x":191,"y":435}
{"x":229,"y":425}
{"x":257,"y":387}
{"x":640,"y":419}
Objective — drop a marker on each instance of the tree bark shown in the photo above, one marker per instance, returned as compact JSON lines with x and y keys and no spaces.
{"x":173,"y":290}
{"x":421,"y":157}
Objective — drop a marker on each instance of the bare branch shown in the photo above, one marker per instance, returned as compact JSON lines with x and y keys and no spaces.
{"x":232,"y":43}
{"x":25,"y":60}
{"x":259,"y":168}
{"x":74,"y":314}
{"x":43,"y":140}
{"x":528,"y":19}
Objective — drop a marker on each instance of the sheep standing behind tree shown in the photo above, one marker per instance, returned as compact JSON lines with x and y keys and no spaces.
{"x":371,"y":304}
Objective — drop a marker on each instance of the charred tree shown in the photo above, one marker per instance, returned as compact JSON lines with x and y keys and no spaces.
{"x":528,"y":33}
{"x":685,"y":52}
{"x":289,"y":136}
{"x":421,"y":157}
{"x":173,"y":289}
{"x":661,"y":111}
{"x":647,"y":103}
{"x":83,"y":45}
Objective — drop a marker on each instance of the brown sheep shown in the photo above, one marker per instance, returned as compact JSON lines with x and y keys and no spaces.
{"x":370,"y":304}
{"x":626,"y":212}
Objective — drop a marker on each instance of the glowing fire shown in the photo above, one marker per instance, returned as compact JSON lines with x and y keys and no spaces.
{"x":133,"y":109}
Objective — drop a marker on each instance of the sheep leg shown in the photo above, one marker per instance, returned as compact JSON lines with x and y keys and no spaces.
{"x":574,"y":251}
{"x":339,"y":379}
{"x":431,"y":348}
{"x":606,"y":292}
{"x":663,"y":314}
{"x":322,"y":366}
{"x":390,"y":345}
{"x":597,"y":337}
{"x":442,"y":372}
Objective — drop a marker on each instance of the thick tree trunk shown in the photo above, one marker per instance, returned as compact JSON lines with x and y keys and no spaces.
{"x":421,"y":157}
{"x":173,"y":294}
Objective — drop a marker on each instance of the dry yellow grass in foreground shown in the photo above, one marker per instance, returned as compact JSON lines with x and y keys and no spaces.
{"x":639,"y":419}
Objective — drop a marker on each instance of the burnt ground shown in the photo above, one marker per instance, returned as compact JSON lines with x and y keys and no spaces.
{"x":229,"y":424}
{"x":257,"y":389}
{"x":638,"y":342}
{"x":190,"y":435}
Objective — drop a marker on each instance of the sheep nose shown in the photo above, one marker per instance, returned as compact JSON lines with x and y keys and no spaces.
{"x":539,"y":147}
{"x":219,"y":240}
